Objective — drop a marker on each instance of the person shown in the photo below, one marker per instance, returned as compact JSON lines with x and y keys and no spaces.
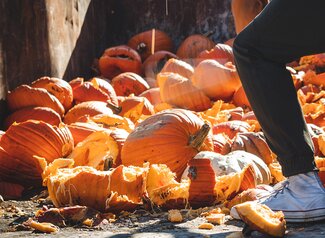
{"x":284,"y":30}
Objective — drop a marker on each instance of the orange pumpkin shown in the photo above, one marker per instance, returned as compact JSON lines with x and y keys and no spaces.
{"x":231,"y":128}
{"x":221,"y":143}
{"x":170,"y":137}
{"x":128,"y":83}
{"x":11,"y":190}
{"x":95,"y":90}
{"x":240,"y":99}
{"x":90,"y":108}
{"x":26,"y":96}
{"x":254,"y":143}
{"x":143,"y":42}
{"x":119,"y":59}
{"x":153,"y":95}
{"x":216,"y":80}
{"x":30,"y":138}
{"x":179,"y":67}
{"x":80,"y":130}
{"x":57,"y":87}
{"x":45,"y":114}
{"x":179,"y":91}
{"x":153,"y":65}
{"x":220,"y":52}
{"x":190,"y":48}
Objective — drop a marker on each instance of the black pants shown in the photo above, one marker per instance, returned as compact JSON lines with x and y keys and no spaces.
{"x":285,"y":30}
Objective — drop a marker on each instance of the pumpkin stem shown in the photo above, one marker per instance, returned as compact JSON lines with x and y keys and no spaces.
{"x":141,"y":47}
{"x":198,"y":138}
{"x":209,"y":33}
{"x":114,"y":108}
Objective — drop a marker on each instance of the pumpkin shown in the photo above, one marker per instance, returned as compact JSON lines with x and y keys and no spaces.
{"x":240,"y":99}
{"x":221,"y":143}
{"x":45,"y":114}
{"x":179,"y":91}
{"x":90,"y":108}
{"x":234,"y":162}
{"x":148,"y":42}
{"x":170,"y":137}
{"x":231,"y":128}
{"x":128,"y":83}
{"x":105,"y":87}
{"x":94,"y":90}
{"x":245,"y":11}
{"x":119,"y":59}
{"x":153,"y":65}
{"x":153,"y":95}
{"x":106,"y":191}
{"x":29,"y":138}
{"x":261,"y":218}
{"x":190,"y":47}
{"x":20,"y":170}
{"x":179,"y":67}
{"x":220,"y":52}
{"x":255,"y":143}
{"x":216,"y":80}
{"x":57,"y":87}
{"x":26,"y":96}
{"x":11,"y":190}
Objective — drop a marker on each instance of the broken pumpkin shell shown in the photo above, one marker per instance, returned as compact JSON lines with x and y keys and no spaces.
{"x":116,"y":190}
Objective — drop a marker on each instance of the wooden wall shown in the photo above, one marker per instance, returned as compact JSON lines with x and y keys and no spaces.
{"x":62,"y":38}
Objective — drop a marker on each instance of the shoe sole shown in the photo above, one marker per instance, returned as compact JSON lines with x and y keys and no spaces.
{"x":306,"y":216}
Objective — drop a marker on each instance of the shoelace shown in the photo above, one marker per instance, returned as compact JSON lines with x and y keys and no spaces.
{"x":279,"y":188}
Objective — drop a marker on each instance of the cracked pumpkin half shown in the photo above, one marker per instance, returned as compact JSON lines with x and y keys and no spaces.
{"x":116,"y":190}
{"x":201,"y":188}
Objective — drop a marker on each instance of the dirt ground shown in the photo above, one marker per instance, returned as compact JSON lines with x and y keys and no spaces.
{"x":141,"y":223}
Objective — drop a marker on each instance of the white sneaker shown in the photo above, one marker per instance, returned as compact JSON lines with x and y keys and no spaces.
{"x":301,"y":198}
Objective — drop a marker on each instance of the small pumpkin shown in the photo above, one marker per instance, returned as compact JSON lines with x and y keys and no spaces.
{"x":255,"y":143}
{"x":240,"y":99}
{"x":190,"y":47}
{"x":153,"y":65}
{"x":26,"y":96}
{"x":57,"y":87}
{"x":179,"y":91}
{"x":220,"y":52}
{"x":143,"y":42}
{"x":153,"y":95}
{"x":216,"y":80}
{"x":45,"y":114}
{"x":90,"y":108}
{"x":119,"y":59}
{"x":128,"y":83}
{"x":179,"y":67}
{"x":171,"y":137}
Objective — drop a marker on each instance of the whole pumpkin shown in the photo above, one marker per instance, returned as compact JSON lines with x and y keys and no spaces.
{"x":216,"y":80}
{"x":143,"y":42}
{"x":171,"y":137}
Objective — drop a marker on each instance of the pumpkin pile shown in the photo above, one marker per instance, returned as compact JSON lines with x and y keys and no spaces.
{"x":170,"y":128}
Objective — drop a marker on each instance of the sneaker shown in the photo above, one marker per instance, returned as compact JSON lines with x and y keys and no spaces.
{"x":301,"y":198}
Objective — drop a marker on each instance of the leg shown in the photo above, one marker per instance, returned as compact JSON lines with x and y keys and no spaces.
{"x":261,"y":51}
